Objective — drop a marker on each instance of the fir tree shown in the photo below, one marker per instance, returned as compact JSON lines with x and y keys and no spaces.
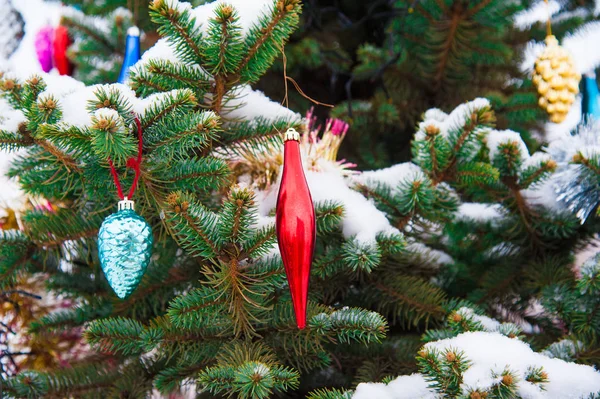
{"x":199,"y":312}
{"x":416,"y":253}
{"x":384,"y":63}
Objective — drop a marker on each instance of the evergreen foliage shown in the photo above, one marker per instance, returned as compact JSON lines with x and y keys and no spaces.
{"x":213,"y":308}
{"x":384,"y":63}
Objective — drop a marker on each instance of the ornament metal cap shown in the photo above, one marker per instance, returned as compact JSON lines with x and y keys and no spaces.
{"x":125,"y":203}
{"x":291,"y":134}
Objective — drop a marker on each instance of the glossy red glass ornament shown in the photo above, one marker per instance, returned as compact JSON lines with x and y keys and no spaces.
{"x":61,"y":43}
{"x":296,"y":227}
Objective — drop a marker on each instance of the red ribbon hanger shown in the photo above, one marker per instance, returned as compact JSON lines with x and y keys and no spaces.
{"x":132,"y":163}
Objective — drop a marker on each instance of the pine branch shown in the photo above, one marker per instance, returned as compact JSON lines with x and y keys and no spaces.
{"x":116,"y":335}
{"x":179,"y":27}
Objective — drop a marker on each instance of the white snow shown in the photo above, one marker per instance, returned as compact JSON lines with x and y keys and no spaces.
{"x":391,"y":176}
{"x":459,"y":115}
{"x":435,"y":255}
{"x":261,"y":369}
{"x":248,"y":12}
{"x":489,"y":324}
{"x":479,"y":212}
{"x":248,"y":104}
{"x":543,"y":195}
{"x":435,"y":114}
{"x":404,"y":387}
{"x":538,"y":12}
{"x":495,"y":138}
{"x":96,"y":23}
{"x":579,"y":44}
{"x":10,"y":118}
{"x":133,"y":31}
{"x":36,"y":14}
{"x":448,"y":122}
{"x":11,"y":195}
{"x":493,"y":352}
{"x":161,"y":50}
{"x":106,"y":113}
{"x":536,"y":160}
{"x":362,"y":220}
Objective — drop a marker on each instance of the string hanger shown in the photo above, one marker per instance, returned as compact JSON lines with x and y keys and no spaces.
{"x":296,"y":85}
{"x":548,"y":21}
{"x":132,"y":163}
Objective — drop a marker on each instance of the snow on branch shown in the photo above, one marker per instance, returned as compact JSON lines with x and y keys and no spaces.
{"x":482,"y":213}
{"x":248,"y":12}
{"x":496,"y":138}
{"x":449,"y":122}
{"x":391,"y":176}
{"x":247,"y":104}
{"x":538,"y":12}
{"x":490,"y":355}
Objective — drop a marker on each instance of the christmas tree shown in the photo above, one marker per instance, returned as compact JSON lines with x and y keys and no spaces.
{"x":448,"y":275}
{"x":384,"y":63}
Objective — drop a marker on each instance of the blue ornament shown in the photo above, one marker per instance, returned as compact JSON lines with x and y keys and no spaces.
{"x":124,"y":247}
{"x":590,"y":104}
{"x":132,"y":53}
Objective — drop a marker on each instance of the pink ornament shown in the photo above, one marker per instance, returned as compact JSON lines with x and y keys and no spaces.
{"x":43,"y":47}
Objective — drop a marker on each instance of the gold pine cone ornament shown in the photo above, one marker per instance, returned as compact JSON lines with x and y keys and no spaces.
{"x":556,"y":80}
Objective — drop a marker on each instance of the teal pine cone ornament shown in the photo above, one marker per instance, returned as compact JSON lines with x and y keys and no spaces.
{"x":124,"y":248}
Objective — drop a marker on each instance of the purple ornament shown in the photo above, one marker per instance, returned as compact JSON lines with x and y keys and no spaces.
{"x":43,"y":47}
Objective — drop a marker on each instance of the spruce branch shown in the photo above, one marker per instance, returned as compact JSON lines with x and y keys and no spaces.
{"x":179,"y":27}
{"x":195,"y":227}
{"x":407,"y":299}
{"x":266,"y":39}
{"x":224,"y":48}
{"x":165,"y":75}
{"x":200,"y":307}
{"x":170,"y":104}
{"x":12,"y":142}
{"x":330,"y":394}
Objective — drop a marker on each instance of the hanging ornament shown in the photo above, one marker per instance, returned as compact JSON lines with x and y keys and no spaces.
{"x":125,"y":239}
{"x":43,"y":47}
{"x":556,"y":80}
{"x":124,"y":247}
{"x":296,"y":227}
{"x":555,"y":77}
{"x":132,"y":52}
{"x":590,"y":104}
{"x":61,"y":43}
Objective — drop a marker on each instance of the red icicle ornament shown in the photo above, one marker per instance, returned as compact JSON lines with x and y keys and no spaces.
{"x":61,"y":43}
{"x":296,"y":226}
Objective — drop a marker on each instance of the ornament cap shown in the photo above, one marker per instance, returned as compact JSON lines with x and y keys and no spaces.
{"x":133,"y":31}
{"x":126,"y":204}
{"x":291,"y":134}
